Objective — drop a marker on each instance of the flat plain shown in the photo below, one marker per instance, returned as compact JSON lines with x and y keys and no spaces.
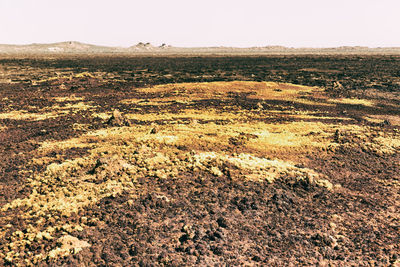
{"x":182,"y":161}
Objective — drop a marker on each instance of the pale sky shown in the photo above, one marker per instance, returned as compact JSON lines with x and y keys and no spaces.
{"x":293,"y":23}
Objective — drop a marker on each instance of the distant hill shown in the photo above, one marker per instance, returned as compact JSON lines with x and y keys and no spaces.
{"x":73,"y":47}
{"x":63,"y":47}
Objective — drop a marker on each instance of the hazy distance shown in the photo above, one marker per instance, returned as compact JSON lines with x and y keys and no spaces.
{"x":292,"y":23}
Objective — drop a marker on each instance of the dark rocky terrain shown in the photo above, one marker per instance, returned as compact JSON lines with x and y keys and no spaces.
{"x":261,"y":160}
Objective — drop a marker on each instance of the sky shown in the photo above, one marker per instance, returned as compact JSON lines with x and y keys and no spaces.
{"x":192,"y":23}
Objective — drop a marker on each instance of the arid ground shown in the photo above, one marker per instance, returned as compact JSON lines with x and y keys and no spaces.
{"x":182,"y":161}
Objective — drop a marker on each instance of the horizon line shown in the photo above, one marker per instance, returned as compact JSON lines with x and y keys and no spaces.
{"x":208,"y":46}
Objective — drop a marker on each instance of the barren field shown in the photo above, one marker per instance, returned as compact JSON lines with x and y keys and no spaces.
{"x":182,"y":161}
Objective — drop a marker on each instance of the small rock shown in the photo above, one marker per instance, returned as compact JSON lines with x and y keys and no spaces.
{"x":79,"y":228}
{"x":215,"y":171}
{"x":325,"y":183}
{"x":39,"y":236}
{"x":84,"y":220}
{"x":117,"y":119}
{"x":217,"y":250}
{"x":336,"y":137}
{"x":184,"y":238}
{"x":68,"y":244}
{"x":222,"y":222}
{"x":153,"y":131}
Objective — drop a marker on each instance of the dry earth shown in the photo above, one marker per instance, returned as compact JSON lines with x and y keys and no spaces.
{"x":211,"y":173}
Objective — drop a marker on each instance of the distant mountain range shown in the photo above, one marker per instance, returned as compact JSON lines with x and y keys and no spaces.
{"x":73,"y":47}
